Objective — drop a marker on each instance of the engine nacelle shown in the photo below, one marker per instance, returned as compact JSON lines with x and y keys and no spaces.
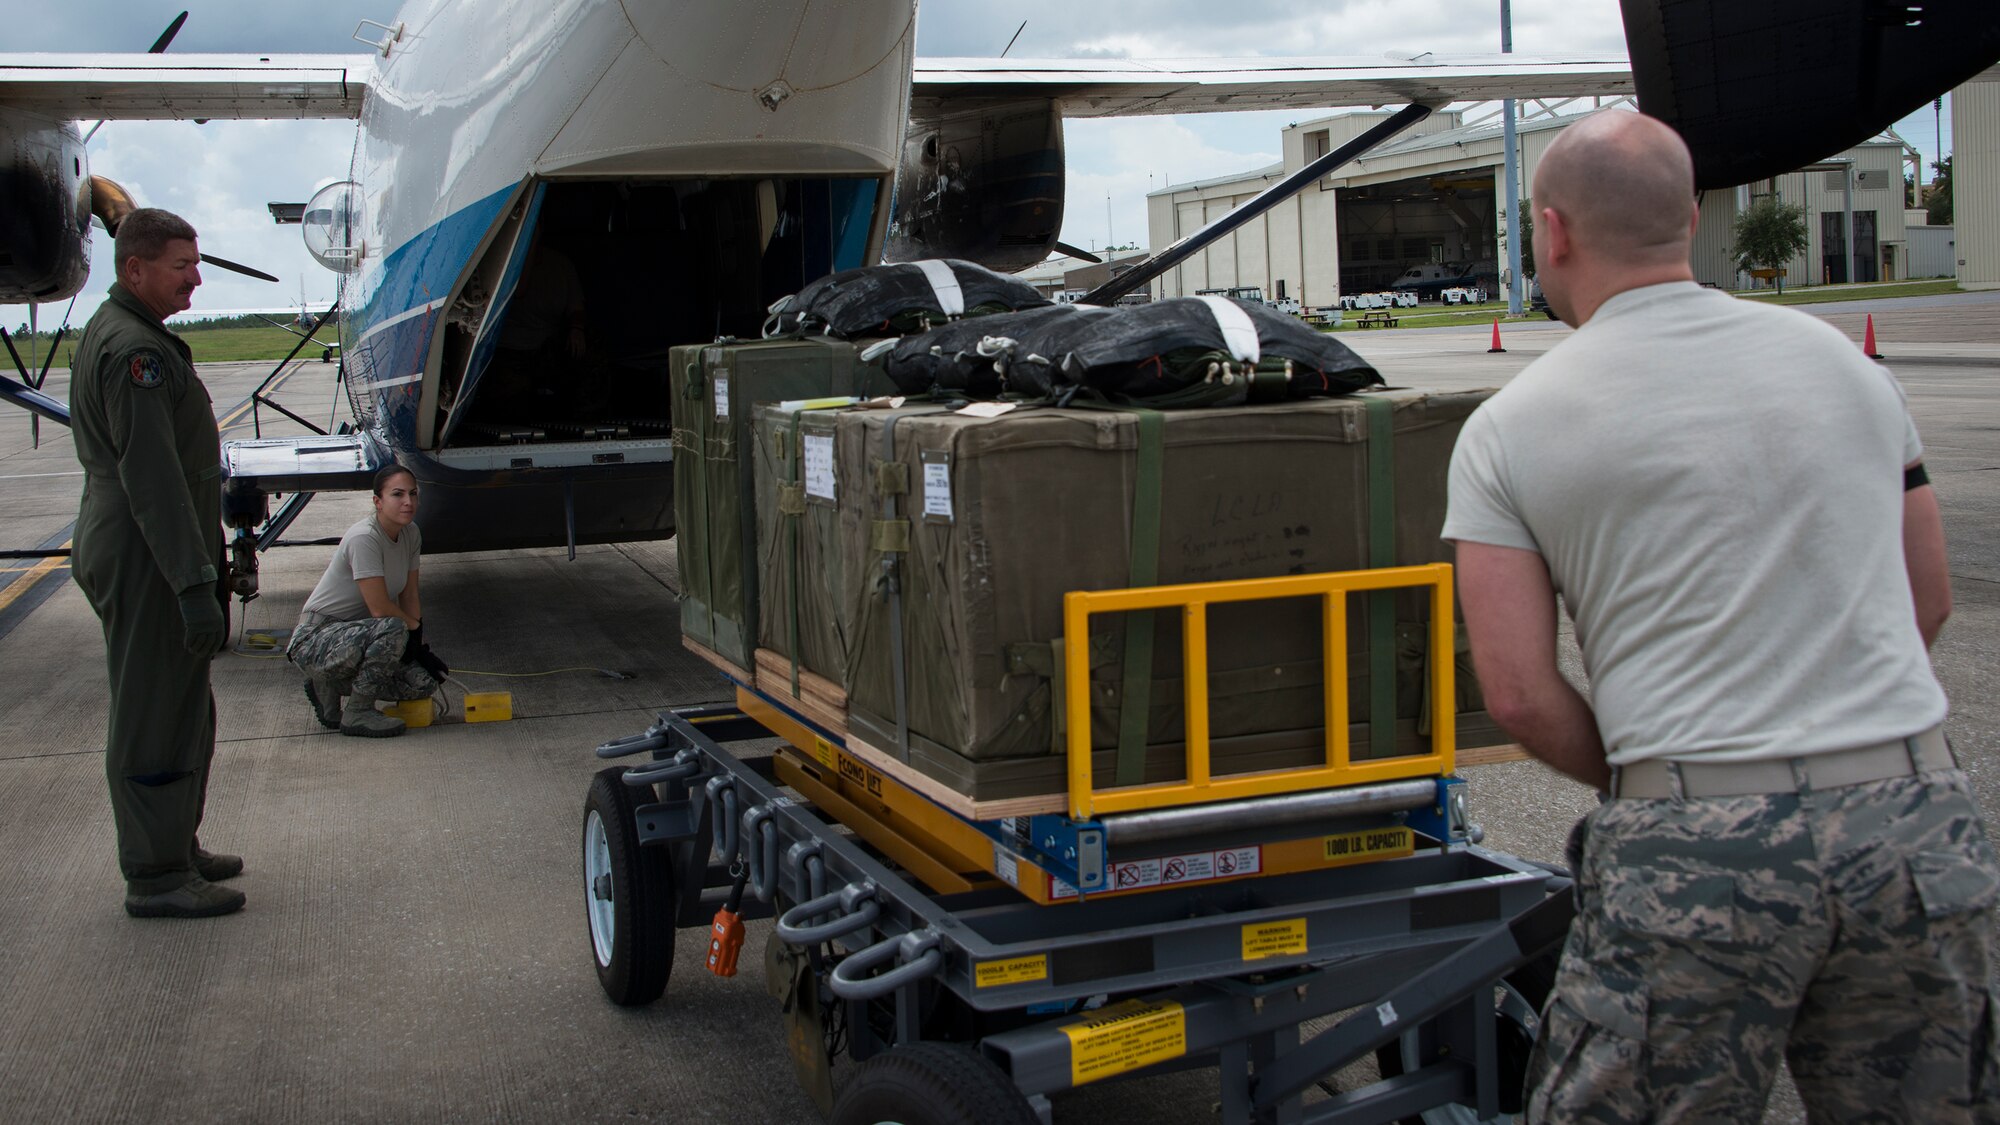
{"x":44,"y":209}
{"x":985,"y":185}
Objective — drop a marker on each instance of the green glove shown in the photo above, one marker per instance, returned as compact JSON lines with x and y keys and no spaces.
{"x":201,"y":614}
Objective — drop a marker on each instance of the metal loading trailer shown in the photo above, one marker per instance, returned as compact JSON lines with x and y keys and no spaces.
{"x":907,"y":936}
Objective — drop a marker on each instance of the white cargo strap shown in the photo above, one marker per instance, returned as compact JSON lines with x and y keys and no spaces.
{"x":944,"y":283}
{"x":1239,"y":335}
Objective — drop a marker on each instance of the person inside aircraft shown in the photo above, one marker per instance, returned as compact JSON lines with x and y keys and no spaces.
{"x":361,"y":633}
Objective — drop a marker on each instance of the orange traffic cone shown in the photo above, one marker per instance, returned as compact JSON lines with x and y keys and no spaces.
{"x":1496,"y":339}
{"x":1868,"y":341}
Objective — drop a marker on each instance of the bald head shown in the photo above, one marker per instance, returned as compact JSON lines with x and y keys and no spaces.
{"x":1624,"y":184}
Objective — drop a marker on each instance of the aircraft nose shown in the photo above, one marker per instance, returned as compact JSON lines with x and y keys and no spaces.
{"x":749,"y":44}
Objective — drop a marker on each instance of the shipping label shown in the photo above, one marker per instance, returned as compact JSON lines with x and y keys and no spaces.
{"x":937,"y":486}
{"x":722,"y":394}
{"x":817,"y":453}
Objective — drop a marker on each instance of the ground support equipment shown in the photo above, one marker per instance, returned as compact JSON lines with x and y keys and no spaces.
{"x":976,"y":1004}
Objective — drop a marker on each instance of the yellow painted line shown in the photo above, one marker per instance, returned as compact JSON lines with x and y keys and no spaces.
{"x":248,"y":404}
{"x":34,"y":574}
{"x":37,"y":566}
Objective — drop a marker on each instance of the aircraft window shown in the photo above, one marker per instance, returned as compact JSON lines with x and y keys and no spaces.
{"x":331,"y":226}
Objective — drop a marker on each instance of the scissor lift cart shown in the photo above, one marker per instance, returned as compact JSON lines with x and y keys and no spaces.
{"x":974,"y":967}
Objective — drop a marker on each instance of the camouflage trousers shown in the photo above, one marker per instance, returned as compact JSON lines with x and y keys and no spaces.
{"x":1849,"y":930}
{"x":365,"y":657}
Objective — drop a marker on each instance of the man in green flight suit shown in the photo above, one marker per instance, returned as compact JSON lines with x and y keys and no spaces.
{"x":148,"y":544}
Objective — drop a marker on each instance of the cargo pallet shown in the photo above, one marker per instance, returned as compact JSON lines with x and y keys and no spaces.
{"x":991,"y":963}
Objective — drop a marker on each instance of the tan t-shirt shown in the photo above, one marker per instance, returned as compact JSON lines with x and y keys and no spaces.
{"x":1716,"y":486}
{"x":365,"y":552}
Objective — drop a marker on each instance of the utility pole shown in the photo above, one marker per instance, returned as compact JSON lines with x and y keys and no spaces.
{"x":1512,"y":199}
{"x":1110,"y":236}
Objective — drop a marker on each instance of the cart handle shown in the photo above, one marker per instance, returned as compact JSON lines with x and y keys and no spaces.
{"x":721,"y":790}
{"x":652,"y":738}
{"x":687,"y":763}
{"x":760,"y":850}
{"x":918,"y":957}
{"x":858,"y":910}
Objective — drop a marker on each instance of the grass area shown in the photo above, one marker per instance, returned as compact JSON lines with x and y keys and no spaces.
{"x":1434,"y":316}
{"x":210,"y":345}
{"x":1819,"y":294}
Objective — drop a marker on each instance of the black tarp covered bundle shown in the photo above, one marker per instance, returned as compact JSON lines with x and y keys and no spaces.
{"x":972,"y":357}
{"x":1186,"y":351}
{"x":894,"y":300}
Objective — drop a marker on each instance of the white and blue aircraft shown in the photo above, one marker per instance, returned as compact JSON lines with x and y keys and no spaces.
{"x":688,"y":164}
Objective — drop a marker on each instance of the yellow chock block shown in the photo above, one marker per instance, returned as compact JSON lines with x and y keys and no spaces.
{"x":489,"y":706}
{"x":413,"y":712}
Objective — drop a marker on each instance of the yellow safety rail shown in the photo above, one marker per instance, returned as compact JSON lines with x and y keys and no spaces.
{"x":1194,"y":599}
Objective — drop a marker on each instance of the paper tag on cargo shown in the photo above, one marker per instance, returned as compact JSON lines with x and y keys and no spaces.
{"x":985,"y":409}
{"x":818,"y":455}
{"x":937,"y":486}
{"x":722,"y":396}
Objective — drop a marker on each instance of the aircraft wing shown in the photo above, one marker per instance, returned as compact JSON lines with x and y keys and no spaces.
{"x":70,"y":87}
{"x":1127,"y":87}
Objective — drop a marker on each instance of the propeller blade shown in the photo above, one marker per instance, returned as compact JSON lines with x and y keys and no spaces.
{"x":234,"y":267}
{"x":1078,"y":252}
{"x":167,"y":36}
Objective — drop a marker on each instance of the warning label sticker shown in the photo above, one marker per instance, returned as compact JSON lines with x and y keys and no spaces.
{"x":1174,"y":870}
{"x":1125,"y":1036}
{"x":823,"y":750}
{"x":1274,"y":939}
{"x":1376,"y":843}
{"x":721,"y":395}
{"x":1006,"y":866}
{"x":1013,"y":970}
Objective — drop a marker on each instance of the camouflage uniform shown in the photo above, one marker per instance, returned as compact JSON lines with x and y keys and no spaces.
{"x":365,"y":657}
{"x":1856,"y":919}
{"x":149,"y":526}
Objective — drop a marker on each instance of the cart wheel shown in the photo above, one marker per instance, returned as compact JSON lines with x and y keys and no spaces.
{"x":931,"y":1084}
{"x":1517,"y":1010}
{"x":628,"y":895}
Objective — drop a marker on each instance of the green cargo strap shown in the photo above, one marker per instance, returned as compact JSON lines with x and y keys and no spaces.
{"x":1270,"y":382}
{"x":791,"y":499}
{"x":899,"y":673}
{"x":890,"y":537}
{"x":1135,"y":697}
{"x":842,"y":376}
{"x":892,"y":478}
{"x":789,"y":453}
{"x":704,"y":429}
{"x":1381,"y":553}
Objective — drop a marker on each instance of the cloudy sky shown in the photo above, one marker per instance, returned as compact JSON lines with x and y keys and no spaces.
{"x":220,"y":175}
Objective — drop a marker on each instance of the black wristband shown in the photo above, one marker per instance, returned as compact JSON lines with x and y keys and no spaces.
{"x":1915,"y":477}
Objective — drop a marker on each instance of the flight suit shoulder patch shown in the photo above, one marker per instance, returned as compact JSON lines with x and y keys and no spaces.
{"x":147,"y":369}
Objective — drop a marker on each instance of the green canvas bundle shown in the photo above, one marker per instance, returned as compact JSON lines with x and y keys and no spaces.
{"x":716,"y":391}
{"x":957,"y":537}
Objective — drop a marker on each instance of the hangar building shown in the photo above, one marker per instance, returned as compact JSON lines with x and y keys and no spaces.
{"x":1432,"y":196}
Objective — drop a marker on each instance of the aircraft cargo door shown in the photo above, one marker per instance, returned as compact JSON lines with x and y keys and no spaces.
{"x":497,"y":273}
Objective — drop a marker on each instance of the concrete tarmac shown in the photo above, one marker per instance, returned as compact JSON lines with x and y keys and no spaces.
{"x":414,"y":947}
